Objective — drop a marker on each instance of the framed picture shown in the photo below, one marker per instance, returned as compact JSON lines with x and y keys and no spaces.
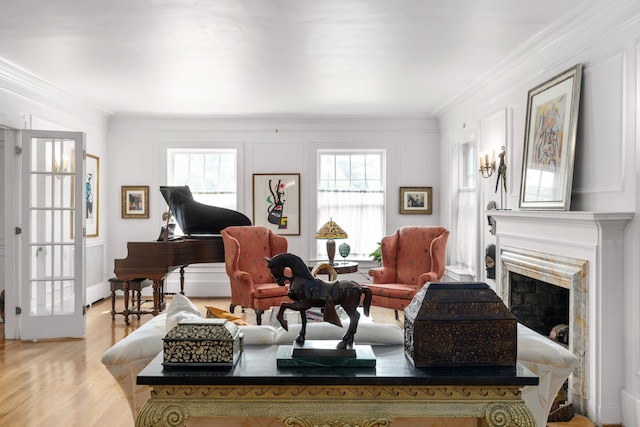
{"x":549,"y":142}
{"x":135,"y":201}
{"x":416,"y":200}
{"x":276,"y":202}
{"x":92,"y":194}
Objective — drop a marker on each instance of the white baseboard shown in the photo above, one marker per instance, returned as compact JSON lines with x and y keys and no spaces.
{"x":630,"y":409}
{"x":97,"y":292}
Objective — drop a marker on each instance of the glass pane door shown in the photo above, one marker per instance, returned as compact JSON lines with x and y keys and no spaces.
{"x":52,"y":235}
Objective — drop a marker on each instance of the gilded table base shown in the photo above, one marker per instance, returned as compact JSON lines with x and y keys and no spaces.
{"x":335,"y":406}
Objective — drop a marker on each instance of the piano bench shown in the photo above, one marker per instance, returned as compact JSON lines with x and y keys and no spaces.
{"x":135,"y":286}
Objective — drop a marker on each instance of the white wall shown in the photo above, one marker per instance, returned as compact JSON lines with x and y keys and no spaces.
{"x":26,"y":99}
{"x":605,"y":38}
{"x":138,"y":146}
{"x":2,"y":212}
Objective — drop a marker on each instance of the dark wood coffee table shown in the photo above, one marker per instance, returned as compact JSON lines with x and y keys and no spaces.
{"x":314,"y":396}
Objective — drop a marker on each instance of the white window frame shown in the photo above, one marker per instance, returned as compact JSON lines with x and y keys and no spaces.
{"x":362,"y":243}
{"x":467,"y":198}
{"x":228,"y":198}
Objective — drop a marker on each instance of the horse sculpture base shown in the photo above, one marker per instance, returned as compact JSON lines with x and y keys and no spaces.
{"x":365,"y":358}
{"x":322,"y":348}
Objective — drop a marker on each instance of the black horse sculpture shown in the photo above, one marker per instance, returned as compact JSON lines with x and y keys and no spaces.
{"x":307,"y":291}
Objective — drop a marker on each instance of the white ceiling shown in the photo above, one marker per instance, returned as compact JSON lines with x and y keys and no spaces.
{"x":268,"y":57}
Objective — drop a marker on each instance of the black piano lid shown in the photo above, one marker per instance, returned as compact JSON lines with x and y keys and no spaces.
{"x":198,"y":219}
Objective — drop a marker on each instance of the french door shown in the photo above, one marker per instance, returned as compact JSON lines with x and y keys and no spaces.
{"x":51,"y":235}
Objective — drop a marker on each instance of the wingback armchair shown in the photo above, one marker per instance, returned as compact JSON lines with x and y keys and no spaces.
{"x":252,"y":285}
{"x":411,"y":257}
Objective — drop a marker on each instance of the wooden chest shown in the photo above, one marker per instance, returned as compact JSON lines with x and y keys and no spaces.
{"x":459,"y":324}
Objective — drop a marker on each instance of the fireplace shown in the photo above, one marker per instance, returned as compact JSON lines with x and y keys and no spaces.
{"x":541,"y":306}
{"x":582,"y":253}
{"x":561,"y":278}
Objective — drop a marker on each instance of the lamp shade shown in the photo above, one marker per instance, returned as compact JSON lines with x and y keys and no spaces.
{"x":331,"y":230}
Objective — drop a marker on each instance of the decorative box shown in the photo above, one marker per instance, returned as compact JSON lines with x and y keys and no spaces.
{"x":202,"y":343}
{"x":459,"y":324}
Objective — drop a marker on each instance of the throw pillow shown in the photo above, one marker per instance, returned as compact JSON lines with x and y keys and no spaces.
{"x":217,"y":313}
{"x":181,"y":308}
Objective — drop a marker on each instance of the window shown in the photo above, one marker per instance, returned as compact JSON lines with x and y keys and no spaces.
{"x":211,"y":174}
{"x":351,"y":192}
{"x":467,"y":209}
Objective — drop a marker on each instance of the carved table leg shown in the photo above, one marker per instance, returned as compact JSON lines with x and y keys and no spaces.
{"x":158,"y":413}
{"x":516,"y":414}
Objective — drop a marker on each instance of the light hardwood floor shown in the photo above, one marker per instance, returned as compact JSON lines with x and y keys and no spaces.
{"x":63,"y":383}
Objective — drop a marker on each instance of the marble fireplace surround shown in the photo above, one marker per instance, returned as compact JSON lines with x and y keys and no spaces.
{"x":568,"y":273}
{"x":583,"y":252}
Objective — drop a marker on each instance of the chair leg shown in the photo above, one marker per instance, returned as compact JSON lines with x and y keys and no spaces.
{"x":259,"y":317}
{"x":397,"y":315}
{"x":232,"y":307}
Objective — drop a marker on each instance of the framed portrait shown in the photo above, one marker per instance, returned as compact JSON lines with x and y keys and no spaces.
{"x":549,"y":142}
{"x":276,"y":202}
{"x":92,"y":195}
{"x":416,"y":200}
{"x":135,"y":201}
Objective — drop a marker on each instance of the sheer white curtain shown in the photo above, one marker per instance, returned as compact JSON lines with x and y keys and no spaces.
{"x":467,"y":228}
{"x":359,"y":213}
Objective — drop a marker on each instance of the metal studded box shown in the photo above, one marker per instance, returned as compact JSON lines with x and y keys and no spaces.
{"x":202,"y":343}
{"x":459,"y":324}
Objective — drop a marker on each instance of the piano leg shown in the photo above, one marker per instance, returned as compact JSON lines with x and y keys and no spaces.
{"x":182,"y":280}
{"x":162,"y":303}
{"x":125,"y":313}
{"x":158,"y":296}
{"x":157,"y":287}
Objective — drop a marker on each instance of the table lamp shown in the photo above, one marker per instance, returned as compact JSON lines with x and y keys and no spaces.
{"x":331,"y":231}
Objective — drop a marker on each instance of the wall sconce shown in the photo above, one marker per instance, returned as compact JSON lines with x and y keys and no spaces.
{"x":58,"y":171}
{"x":487,"y":166}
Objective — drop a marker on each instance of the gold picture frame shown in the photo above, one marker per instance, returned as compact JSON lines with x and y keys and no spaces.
{"x":135,"y":201}
{"x":416,"y":200}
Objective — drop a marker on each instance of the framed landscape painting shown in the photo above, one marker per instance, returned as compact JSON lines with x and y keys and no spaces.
{"x":550,"y":141}
{"x":416,"y":200}
{"x":276,"y":202}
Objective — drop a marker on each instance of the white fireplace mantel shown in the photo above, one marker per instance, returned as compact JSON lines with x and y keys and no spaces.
{"x":598,"y":239}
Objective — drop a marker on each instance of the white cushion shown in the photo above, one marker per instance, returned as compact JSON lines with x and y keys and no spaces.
{"x":551,"y":362}
{"x":258,"y":335}
{"x":180,"y":308}
{"x":368,"y":333}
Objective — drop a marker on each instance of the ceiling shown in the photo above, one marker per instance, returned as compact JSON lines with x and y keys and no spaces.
{"x":268,"y":57}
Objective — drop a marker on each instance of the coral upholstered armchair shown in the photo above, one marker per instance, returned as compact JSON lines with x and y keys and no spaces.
{"x":411,"y":257}
{"x":252,"y":285}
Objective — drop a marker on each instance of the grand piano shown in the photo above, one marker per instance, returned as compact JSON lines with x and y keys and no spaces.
{"x":201,"y":243}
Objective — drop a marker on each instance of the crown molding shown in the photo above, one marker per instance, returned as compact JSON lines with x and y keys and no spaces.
{"x":21,"y":83}
{"x":547,"y":50}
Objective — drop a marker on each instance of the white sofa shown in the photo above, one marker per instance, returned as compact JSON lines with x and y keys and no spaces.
{"x":550,"y":361}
